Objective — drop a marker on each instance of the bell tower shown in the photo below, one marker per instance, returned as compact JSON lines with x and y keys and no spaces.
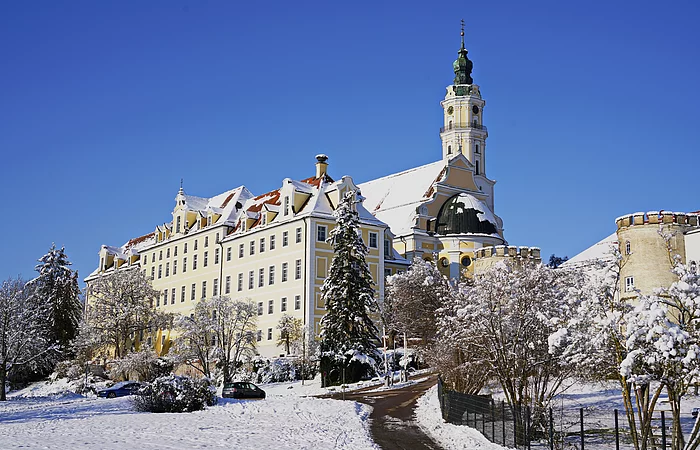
{"x":463,"y":109}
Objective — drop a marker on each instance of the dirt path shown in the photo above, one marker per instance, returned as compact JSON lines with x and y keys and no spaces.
{"x":392,"y":420}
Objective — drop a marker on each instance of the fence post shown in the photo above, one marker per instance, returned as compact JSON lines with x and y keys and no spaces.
{"x":528,"y":420}
{"x":493,"y":423}
{"x":617,"y":433}
{"x":663,"y":430}
{"x":503,"y":420}
{"x":582,"y":439}
{"x":516,"y":412}
{"x":551,"y":430}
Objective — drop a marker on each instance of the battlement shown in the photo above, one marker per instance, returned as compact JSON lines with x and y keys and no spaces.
{"x":656,"y":218}
{"x":508,"y":251}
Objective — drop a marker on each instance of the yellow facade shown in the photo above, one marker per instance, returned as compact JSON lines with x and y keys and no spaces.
{"x":277,"y":260}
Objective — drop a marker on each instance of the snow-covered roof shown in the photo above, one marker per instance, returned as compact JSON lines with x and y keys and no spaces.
{"x":599,"y":251}
{"x":239,"y":203}
{"x":393,"y":199}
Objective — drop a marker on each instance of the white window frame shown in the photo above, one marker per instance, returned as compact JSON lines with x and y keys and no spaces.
{"x":321,"y":233}
{"x":375,"y":235}
{"x":297,"y":269}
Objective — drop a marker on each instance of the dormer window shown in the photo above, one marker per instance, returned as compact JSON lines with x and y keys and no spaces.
{"x":177,"y":224}
{"x":208,"y":220}
{"x":263,"y":219}
{"x":286,"y":205}
{"x":387,"y":248}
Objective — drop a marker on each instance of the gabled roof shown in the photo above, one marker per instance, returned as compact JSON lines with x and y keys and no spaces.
{"x":393,"y":199}
{"x":600,"y":251}
{"x":237,"y":203}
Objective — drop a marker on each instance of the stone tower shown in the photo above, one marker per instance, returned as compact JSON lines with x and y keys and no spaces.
{"x":646,"y":263}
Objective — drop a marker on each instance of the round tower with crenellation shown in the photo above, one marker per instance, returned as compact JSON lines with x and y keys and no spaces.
{"x":647,"y":259}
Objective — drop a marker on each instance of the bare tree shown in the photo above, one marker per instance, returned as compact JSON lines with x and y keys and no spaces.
{"x":290,"y":333}
{"x":220,"y":330}
{"x":414,"y":296}
{"x":25,"y":332}
{"x":120,"y":309}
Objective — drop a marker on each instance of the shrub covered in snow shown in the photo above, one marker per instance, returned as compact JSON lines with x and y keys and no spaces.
{"x":277,"y":370}
{"x":280,"y":370}
{"x":175,"y":394}
{"x":144,"y":365}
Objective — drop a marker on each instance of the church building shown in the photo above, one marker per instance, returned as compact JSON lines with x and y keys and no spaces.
{"x":272,"y":249}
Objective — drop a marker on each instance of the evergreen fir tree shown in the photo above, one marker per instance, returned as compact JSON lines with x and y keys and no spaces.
{"x":347,"y":329}
{"x":57,"y":287}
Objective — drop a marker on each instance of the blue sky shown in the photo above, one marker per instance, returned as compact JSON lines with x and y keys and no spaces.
{"x":592,"y":109}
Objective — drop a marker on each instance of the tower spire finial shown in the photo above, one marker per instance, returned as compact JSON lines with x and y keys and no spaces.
{"x":181,"y":181}
{"x":462,"y":66}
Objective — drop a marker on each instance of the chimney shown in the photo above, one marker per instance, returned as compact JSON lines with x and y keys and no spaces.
{"x":321,"y":165}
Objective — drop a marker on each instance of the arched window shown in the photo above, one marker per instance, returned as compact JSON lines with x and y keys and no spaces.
{"x":628,"y":248}
{"x":449,"y":149}
{"x":476,"y":163}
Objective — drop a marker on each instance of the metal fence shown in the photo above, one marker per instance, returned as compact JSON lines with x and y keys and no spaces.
{"x":498,"y":422}
{"x":563,"y":428}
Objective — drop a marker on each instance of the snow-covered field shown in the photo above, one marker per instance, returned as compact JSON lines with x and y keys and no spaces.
{"x":49,"y":416}
{"x":283,"y":420}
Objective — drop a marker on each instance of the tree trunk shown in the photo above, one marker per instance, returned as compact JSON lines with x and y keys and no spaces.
{"x":3,"y":379}
{"x":629,"y":410}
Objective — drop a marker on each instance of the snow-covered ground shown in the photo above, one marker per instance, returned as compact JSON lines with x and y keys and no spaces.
{"x":49,"y":415}
{"x":598,"y":400}
{"x":449,"y":436}
{"x":286,"y":419}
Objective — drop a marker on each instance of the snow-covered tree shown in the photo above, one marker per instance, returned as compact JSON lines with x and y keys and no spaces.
{"x":413,"y":297}
{"x":221,"y":331}
{"x":57,"y":286}
{"x":502,"y":323}
{"x":663,"y":351}
{"x":291,"y":333}
{"x":594,"y":340}
{"x":25,"y":335}
{"x":347,"y":330}
{"x":120,"y":310}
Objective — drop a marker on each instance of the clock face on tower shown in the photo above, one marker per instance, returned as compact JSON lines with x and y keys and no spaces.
{"x":450,"y":110}
{"x":475,"y":109}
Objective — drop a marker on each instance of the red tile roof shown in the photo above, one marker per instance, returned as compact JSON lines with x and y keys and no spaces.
{"x":316,"y":182}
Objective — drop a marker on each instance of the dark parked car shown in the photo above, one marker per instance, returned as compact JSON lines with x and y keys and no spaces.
{"x":241,"y":389}
{"x":120,"y":389}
